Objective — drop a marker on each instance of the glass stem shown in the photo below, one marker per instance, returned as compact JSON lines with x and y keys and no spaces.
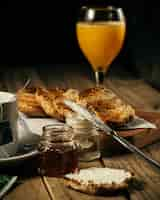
{"x":99,"y":76}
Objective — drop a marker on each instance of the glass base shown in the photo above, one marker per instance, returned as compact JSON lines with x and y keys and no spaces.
{"x":99,"y":75}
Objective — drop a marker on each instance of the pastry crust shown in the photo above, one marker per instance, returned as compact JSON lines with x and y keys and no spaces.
{"x":26,"y":103}
{"x":52,"y":101}
{"x":95,"y":189}
{"x":49,"y":102}
{"x":107,"y":105}
{"x":46,"y":100}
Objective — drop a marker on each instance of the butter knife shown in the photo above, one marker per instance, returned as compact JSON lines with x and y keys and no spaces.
{"x":109,"y":131}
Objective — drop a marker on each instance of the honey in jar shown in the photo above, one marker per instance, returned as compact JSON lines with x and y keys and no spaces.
{"x":58,"y":153}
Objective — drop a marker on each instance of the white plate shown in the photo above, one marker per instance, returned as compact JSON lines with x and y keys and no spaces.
{"x":21,"y":157}
{"x":16,"y":160}
{"x":33,"y":125}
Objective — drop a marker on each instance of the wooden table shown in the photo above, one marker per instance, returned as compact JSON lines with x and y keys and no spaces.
{"x":135,"y":91}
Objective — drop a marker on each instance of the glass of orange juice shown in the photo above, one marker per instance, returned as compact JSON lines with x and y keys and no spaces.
{"x":100,"y":34}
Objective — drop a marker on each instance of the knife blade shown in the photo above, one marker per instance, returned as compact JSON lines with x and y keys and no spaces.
{"x":108,"y":130}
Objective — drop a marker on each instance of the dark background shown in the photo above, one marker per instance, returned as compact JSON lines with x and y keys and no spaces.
{"x":43,"y":32}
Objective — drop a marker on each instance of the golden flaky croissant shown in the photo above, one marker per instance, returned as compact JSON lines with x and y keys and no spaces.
{"x":107,"y":105}
{"x":52,"y":101}
{"x":103,"y":102}
{"x":47,"y":100}
{"x":27,"y":103}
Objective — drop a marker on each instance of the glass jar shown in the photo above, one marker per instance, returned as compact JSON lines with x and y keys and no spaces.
{"x":86,"y":137}
{"x":58,"y":152}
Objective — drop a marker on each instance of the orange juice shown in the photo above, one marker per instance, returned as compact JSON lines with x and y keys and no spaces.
{"x":100,"y":42}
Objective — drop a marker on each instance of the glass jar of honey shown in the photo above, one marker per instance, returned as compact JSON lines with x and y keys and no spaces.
{"x":58,"y":152}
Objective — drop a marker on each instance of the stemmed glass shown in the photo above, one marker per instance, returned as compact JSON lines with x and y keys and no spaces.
{"x":100,"y":34}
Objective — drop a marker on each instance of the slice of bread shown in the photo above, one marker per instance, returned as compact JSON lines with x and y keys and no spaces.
{"x":98,"y":181}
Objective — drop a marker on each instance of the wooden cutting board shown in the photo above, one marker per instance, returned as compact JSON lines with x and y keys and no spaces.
{"x":138,"y":137}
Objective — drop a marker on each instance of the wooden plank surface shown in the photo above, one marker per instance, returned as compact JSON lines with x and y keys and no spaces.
{"x":32,"y":189}
{"x":136,"y":92}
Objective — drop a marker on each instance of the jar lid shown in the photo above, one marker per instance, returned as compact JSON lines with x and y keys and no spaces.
{"x":59,"y":132}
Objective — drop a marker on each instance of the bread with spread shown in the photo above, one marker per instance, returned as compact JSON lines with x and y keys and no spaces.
{"x":98,"y":181}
